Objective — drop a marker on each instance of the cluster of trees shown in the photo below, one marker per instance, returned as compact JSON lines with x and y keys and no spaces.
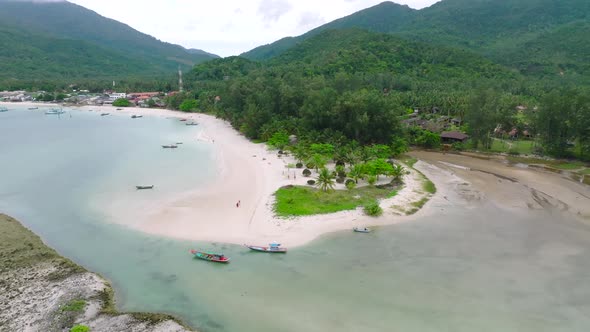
{"x":355,"y":87}
{"x":352,"y":160}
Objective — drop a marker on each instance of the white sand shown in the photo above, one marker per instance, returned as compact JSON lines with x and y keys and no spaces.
{"x":250,"y":173}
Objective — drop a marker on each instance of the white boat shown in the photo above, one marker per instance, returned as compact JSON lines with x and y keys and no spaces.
{"x":273,"y":247}
{"x":362,"y":230}
{"x":55,"y":111}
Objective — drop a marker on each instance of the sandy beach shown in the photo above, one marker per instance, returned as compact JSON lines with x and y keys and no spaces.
{"x":250,"y":173}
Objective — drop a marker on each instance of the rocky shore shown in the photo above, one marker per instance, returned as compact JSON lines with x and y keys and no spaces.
{"x":42,"y":291}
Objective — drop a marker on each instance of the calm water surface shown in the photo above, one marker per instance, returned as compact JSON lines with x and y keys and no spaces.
{"x":465,"y":270}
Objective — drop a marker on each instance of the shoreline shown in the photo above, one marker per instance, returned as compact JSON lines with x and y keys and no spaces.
{"x":43,"y":291}
{"x":251,"y":173}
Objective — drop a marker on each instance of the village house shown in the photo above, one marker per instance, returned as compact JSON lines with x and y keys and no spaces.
{"x":450,"y":137}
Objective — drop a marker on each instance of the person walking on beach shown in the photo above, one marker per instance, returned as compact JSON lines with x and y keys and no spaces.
{"x":238,"y":204}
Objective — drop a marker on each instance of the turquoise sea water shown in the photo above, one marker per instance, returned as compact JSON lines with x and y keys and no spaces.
{"x":465,"y":270}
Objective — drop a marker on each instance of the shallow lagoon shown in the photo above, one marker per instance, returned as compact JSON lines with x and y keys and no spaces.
{"x":465,"y":270}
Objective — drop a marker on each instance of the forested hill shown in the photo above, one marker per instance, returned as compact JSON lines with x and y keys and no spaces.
{"x":348,"y":83}
{"x":517,"y":33}
{"x":55,"y":40}
{"x":385,"y":17}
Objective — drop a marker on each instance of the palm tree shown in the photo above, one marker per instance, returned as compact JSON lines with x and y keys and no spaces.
{"x":325,"y":180}
{"x":318,"y":161}
{"x":356,"y":172}
{"x":397,"y":173}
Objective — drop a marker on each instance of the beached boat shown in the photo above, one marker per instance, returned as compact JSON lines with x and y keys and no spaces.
{"x":144,"y":187}
{"x":136,"y":116}
{"x":192,"y":124}
{"x":273,"y":247}
{"x":55,"y":111}
{"x":219,"y":258}
{"x":362,"y":230}
{"x":170,"y":146}
{"x":3,"y":109}
{"x":119,"y":109}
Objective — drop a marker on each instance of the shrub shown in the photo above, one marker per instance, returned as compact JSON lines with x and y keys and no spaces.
{"x":310,"y":165}
{"x":299,"y":165}
{"x":458,"y":146}
{"x":311,"y":182}
{"x":340,"y":179}
{"x":121,"y":102}
{"x":188,"y":105}
{"x":340,"y":163}
{"x":350,"y":184}
{"x":74,"y":305}
{"x":372,"y":179}
{"x":306,"y":172}
{"x":513,"y":152}
{"x":80,"y":328}
{"x":373,"y":209}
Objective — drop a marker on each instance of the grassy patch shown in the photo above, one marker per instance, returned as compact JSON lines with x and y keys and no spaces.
{"x":20,"y":248}
{"x":74,"y":306}
{"x":428,"y":186}
{"x":558,"y":164}
{"x":506,"y":146}
{"x":584,"y":172}
{"x":410,"y":161}
{"x":305,"y":201}
{"x":80,"y":328}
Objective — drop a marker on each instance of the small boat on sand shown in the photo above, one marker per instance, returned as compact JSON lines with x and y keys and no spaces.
{"x":219,"y":258}
{"x":361,"y":230}
{"x":172,"y":146}
{"x":119,"y":109}
{"x":136,"y":116}
{"x":104,"y":114}
{"x":192,"y":124}
{"x":144,"y":187}
{"x":273,"y":247}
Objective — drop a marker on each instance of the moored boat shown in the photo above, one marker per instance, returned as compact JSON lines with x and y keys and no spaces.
{"x":182,"y":120}
{"x":56,"y":111}
{"x":136,"y":116}
{"x":172,"y":146}
{"x":273,"y":247}
{"x":362,"y":230}
{"x":144,"y":187}
{"x":33,"y":108}
{"x":192,"y":124}
{"x":104,"y":114}
{"x":218,"y":258}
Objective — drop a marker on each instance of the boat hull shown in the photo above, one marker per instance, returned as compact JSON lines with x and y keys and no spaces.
{"x":267,"y":249}
{"x":210,"y":257}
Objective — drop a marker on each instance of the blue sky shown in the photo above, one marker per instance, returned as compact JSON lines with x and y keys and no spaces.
{"x":229,"y":27}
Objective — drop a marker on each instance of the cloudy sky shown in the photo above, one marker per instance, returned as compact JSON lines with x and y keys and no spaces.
{"x":229,"y":27}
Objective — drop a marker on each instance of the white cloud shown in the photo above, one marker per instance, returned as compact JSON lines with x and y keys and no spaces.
{"x":228,"y":27}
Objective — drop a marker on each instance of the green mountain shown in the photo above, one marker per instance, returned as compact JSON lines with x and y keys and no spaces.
{"x":345,"y":84}
{"x":61,"y":40}
{"x":384,"y":17}
{"x":539,"y":37}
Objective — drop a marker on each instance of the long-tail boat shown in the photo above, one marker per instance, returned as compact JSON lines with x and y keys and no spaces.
{"x":218,"y":258}
{"x":144,"y":187}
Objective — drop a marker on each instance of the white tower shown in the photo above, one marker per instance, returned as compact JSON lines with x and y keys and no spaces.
{"x":179,"y":79}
